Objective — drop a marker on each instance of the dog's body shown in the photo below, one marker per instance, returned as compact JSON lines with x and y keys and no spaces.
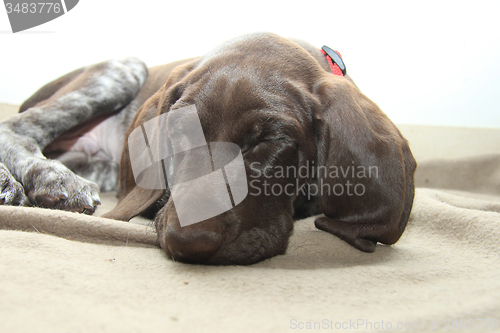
{"x":273,"y":97}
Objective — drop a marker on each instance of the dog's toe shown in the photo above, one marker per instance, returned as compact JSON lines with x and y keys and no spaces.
{"x":43,"y":200}
{"x":52,"y":185}
{"x":83,"y":197}
{"x":11,"y":191}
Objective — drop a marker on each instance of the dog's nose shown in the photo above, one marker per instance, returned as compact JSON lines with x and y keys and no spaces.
{"x":192,"y":246}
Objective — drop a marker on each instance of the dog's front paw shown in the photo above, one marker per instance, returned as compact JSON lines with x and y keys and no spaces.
{"x":50,"y":184}
{"x":11,"y":191}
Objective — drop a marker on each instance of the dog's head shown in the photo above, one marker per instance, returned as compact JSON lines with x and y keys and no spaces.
{"x":273,"y":99}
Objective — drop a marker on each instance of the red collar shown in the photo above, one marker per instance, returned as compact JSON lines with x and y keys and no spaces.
{"x":334,"y":60}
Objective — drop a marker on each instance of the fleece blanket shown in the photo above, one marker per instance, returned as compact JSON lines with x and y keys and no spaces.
{"x":67,"y":272}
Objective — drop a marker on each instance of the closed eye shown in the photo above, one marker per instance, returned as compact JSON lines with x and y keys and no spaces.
{"x":270,"y":144}
{"x":278,"y":131}
{"x":282,"y":138}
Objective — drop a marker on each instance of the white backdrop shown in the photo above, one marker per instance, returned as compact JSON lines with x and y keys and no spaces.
{"x":424,"y":62}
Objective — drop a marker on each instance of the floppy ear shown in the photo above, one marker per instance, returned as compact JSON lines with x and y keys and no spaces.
{"x":134,"y":200}
{"x":365,"y":168}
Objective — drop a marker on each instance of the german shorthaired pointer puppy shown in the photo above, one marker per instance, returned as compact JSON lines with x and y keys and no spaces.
{"x":311,"y":143}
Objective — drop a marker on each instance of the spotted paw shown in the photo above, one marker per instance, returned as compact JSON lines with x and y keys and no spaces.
{"x":11,"y":191}
{"x":50,"y":184}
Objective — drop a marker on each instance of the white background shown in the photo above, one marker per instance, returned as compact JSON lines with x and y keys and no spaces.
{"x":422,"y":62}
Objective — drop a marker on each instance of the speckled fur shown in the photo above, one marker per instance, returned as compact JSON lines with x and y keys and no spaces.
{"x":100,"y":89}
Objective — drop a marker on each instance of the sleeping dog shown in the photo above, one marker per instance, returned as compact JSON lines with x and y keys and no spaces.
{"x":310,"y":141}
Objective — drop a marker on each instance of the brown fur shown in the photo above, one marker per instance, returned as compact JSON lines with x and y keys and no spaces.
{"x":278,"y":101}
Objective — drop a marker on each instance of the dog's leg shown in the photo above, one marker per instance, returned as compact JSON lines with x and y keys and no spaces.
{"x":100,"y":168}
{"x":103,"y":88}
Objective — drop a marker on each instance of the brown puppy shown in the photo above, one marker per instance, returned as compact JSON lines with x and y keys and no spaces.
{"x":311,"y":142}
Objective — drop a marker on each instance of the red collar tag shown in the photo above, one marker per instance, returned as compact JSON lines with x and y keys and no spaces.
{"x":334,"y":60}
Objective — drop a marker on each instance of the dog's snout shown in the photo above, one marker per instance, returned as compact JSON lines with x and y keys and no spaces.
{"x":192,"y":246}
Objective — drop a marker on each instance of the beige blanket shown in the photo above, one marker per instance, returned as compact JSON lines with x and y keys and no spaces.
{"x":65,"y":272}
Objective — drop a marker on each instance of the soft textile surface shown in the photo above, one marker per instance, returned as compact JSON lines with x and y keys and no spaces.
{"x":66,"y":272}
